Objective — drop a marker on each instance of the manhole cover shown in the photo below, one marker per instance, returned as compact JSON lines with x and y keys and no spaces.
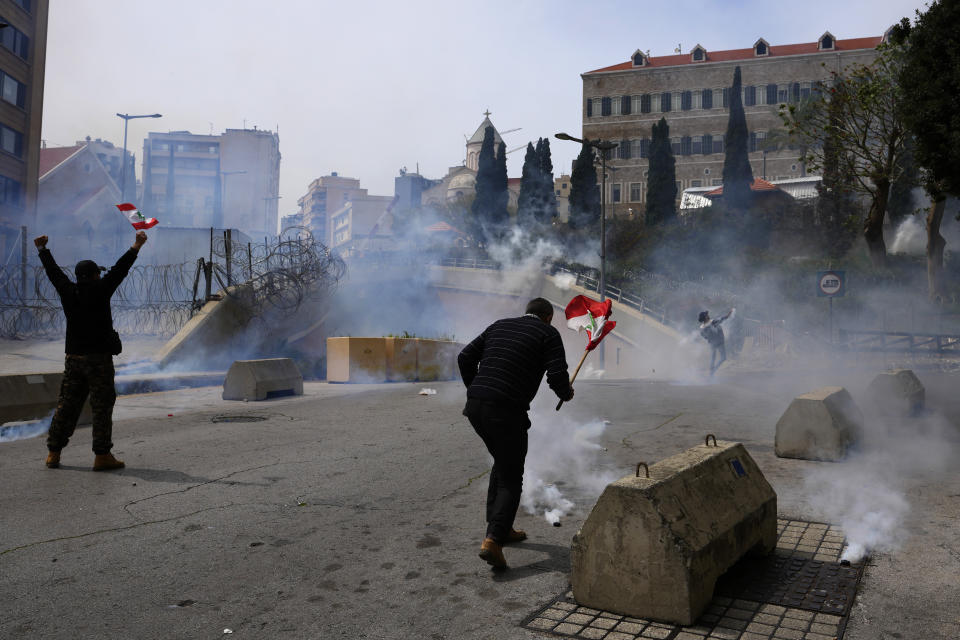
{"x":247,"y":418}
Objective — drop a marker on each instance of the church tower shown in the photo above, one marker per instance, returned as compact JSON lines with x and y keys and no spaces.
{"x":476,"y":141}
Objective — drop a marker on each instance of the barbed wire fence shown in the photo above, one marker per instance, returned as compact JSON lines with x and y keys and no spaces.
{"x":159,"y":299}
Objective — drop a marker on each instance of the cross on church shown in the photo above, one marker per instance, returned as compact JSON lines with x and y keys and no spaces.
{"x":487,"y":113}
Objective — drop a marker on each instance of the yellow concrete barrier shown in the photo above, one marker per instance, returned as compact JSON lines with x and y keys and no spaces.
{"x":437,"y":359}
{"x":401,"y":355}
{"x":356,"y":360}
{"x":653,"y":547}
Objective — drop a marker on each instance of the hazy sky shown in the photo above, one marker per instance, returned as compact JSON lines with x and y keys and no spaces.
{"x":364,"y":88}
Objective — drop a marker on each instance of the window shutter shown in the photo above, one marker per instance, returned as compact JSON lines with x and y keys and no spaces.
{"x":605,"y":106}
{"x":771,"y":94}
{"x":589,"y":108}
{"x":726,"y":97}
{"x":753,"y":141}
{"x":686,"y":101}
{"x":625,"y":105}
{"x":645,"y":148}
{"x":685,"y":145}
{"x":645,"y":103}
{"x":706,"y":98}
{"x":665,"y":99}
{"x":795,"y":91}
{"x":624,"y":149}
{"x":707,"y":144}
{"x":750,"y":96}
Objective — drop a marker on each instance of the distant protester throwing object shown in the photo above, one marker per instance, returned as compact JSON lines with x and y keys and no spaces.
{"x":712,"y":332}
{"x":502,"y":369}
{"x":90,"y":346}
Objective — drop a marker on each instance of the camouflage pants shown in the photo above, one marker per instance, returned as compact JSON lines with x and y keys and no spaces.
{"x":82,"y":376}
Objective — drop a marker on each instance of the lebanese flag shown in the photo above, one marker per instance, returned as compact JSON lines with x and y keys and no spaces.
{"x":135,"y":217}
{"x":593,"y":316}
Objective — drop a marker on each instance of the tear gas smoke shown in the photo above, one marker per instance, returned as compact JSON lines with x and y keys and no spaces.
{"x":868,"y":494}
{"x":562,"y":464}
{"x":910,"y":237}
{"x":24,"y":429}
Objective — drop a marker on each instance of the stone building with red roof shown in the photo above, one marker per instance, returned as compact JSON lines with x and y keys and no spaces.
{"x":622,"y":102}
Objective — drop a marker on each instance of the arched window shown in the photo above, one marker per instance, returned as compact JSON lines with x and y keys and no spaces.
{"x":699,"y":54}
{"x":827,"y":42}
{"x":761,"y":48}
{"x":639,"y":59}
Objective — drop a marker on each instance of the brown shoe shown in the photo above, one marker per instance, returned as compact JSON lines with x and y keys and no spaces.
{"x":53,"y":460}
{"x":106,"y":462}
{"x":516,"y":535}
{"x":492,"y":553}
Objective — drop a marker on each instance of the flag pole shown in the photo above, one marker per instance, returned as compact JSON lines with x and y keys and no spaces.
{"x":575,"y":372}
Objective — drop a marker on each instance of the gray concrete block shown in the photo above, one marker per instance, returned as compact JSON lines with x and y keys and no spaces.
{"x":257,"y":379}
{"x":33,"y":396}
{"x":654,"y":547}
{"x":898,"y":392}
{"x":820,"y":425}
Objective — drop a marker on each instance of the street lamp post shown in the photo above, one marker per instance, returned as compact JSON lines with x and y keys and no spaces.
{"x":603,"y":147}
{"x":123,"y":159}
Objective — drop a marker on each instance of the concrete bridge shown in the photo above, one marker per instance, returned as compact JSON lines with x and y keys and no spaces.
{"x":431,"y":300}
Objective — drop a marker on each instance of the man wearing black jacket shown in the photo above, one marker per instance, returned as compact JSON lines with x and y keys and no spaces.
{"x":502,"y":369}
{"x":90,"y":346}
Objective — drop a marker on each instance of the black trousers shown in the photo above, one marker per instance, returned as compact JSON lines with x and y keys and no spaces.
{"x":503,"y":429}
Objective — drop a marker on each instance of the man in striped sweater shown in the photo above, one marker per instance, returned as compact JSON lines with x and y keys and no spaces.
{"x":502,"y":369}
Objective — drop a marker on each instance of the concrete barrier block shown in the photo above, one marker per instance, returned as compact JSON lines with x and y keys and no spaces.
{"x":260,"y":379}
{"x":356,"y":360}
{"x":437,"y":359}
{"x":820,"y":425}
{"x":654,"y":547}
{"x":401,"y":354}
{"x":897,"y":391}
{"x":33,"y":396}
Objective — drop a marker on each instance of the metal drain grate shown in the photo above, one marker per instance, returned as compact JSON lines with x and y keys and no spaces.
{"x":237,"y":418}
{"x":812,"y":585}
{"x":801,"y":591}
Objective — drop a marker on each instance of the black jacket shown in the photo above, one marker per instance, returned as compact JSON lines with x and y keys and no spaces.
{"x":87,"y":304}
{"x":507,"y":362}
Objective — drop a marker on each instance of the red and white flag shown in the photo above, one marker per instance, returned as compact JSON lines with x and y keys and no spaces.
{"x":135,"y":217}
{"x":592,"y":316}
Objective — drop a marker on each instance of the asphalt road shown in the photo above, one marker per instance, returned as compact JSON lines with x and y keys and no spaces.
{"x":356,"y":511}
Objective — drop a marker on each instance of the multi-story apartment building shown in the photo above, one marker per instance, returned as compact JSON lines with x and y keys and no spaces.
{"x":325,"y":196}
{"x":622,"y":102}
{"x":229,"y":180}
{"x":23,"y":46}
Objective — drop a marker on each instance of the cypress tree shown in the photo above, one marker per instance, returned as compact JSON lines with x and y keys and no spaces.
{"x":483,"y":204}
{"x":661,"y":176}
{"x":584,"y":192}
{"x":501,"y":196}
{"x":528,"y":201}
{"x":548,"y":201}
{"x":737,"y":174}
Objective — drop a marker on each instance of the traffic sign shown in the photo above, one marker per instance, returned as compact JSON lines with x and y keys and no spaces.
{"x":831,"y":284}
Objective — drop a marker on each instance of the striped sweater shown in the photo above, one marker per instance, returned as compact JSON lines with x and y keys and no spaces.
{"x":507,"y":361}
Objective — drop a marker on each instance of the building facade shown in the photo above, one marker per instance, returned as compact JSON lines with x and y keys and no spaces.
{"x":23,"y":46}
{"x":325,"y":196}
{"x":691,"y":91}
{"x":229,"y":180}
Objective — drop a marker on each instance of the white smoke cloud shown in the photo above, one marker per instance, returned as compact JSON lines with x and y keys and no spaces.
{"x":24,"y":429}
{"x":910,"y":237}
{"x":561,"y":467}
{"x":868,"y":495}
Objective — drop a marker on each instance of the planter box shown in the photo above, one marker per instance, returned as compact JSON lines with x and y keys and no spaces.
{"x":437,"y":360}
{"x":356,"y":360}
{"x":401,"y":356}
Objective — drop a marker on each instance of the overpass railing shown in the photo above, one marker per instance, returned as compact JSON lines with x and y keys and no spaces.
{"x":617,"y":293}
